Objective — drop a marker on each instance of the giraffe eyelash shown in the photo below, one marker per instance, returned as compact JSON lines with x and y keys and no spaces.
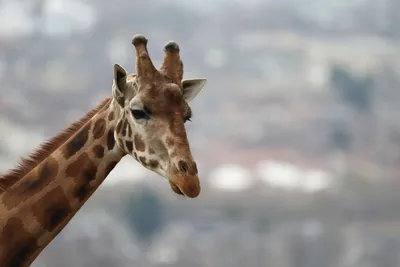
{"x":189,"y":115}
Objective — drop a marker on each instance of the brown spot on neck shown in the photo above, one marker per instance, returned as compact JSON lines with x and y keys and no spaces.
{"x":124,"y":126}
{"x":77,"y":142}
{"x":129,"y":146}
{"x":111,"y":116}
{"x":143,"y":160}
{"x":99,"y":128}
{"x":17,"y":245}
{"x":119,"y":126}
{"x":139,"y":145}
{"x":153,"y":164}
{"x":32,"y":183}
{"x":82,"y":168}
{"x":110,"y":139}
{"x":52,"y":209}
{"x":98,"y":151}
{"x":46,"y":149}
{"x":47,"y":172}
{"x":83,"y":171}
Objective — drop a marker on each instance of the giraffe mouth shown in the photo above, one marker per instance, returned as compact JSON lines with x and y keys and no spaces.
{"x":188,"y":187}
{"x":176,"y":189}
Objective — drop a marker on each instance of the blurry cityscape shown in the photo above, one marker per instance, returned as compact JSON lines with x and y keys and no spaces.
{"x":296,"y":134}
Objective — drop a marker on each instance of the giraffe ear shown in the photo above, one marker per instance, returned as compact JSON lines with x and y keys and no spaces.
{"x":191,"y":88}
{"x":119,"y":84}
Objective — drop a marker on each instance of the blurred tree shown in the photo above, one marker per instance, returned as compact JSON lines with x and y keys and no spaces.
{"x":340,"y":138}
{"x":145,"y":215}
{"x":235,"y":215}
{"x":299,"y":254}
{"x":356,"y":92}
{"x":234,"y":212}
{"x":262,"y":226}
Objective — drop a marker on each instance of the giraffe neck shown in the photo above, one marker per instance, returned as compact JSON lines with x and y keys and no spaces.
{"x":40,"y":204}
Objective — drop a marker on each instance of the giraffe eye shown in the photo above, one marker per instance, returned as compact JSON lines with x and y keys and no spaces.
{"x":140,"y":114}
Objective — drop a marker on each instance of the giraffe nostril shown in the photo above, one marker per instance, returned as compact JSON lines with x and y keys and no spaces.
{"x":183,"y":166}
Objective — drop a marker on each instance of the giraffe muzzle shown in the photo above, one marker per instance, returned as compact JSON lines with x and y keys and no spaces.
{"x":188,"y":186}
{"x":184,"y":179}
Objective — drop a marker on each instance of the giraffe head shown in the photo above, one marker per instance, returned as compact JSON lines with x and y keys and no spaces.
{"x":153,"y":108}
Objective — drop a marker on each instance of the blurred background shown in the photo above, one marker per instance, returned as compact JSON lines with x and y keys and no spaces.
{"x":296,"y":134}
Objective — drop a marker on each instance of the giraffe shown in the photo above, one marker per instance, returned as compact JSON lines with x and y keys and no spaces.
{"x":143,"y":118}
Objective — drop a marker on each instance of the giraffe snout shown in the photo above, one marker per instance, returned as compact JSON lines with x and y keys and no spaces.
{"x":186,"y":185}
{"x":184,"y":180}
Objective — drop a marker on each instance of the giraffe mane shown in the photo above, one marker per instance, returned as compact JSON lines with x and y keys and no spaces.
{"x":45,"y":149}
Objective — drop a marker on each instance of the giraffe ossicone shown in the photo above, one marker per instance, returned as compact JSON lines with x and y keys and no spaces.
{"x":145,"y":118}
